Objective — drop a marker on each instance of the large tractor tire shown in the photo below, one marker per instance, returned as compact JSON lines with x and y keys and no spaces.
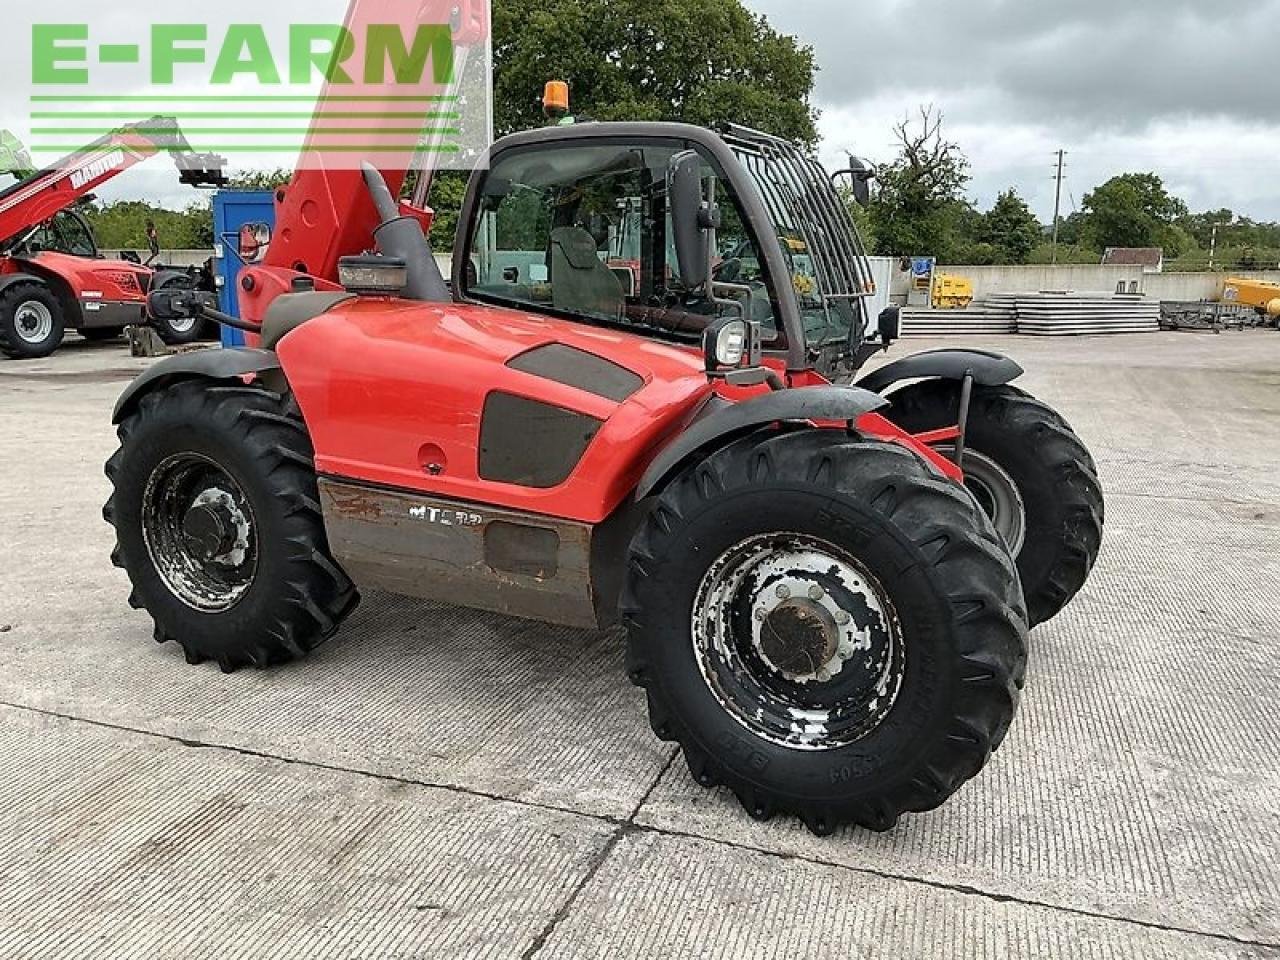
{"x":218,"y":525}
{"x":1034,"y":477}
{"x":32,"y":324}
{"x":825,"y":627}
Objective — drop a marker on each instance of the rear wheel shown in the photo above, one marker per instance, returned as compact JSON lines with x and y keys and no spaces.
{"x":32,"y":324}
{"x":825,"y":627}
{"x":180,"y":331}
{"x":219,"y":528}
{"x":1031,"y":474}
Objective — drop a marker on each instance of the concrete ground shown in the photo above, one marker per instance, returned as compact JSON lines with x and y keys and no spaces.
{"x":440,"y":783}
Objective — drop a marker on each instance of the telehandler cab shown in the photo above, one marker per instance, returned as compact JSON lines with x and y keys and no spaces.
{"x":820,"y":613}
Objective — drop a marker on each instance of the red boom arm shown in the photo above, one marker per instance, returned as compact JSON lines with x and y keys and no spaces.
{"x":34,"y":200}
{"x":326,"y":212}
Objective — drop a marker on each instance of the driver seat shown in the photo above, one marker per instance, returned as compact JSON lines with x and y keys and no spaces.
{"x":580,"y":281}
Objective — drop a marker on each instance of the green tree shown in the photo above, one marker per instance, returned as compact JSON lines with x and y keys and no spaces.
{"x":919,"y":207}
{"x":122,"y":225}
{"x":1134,"y":210}
{"x":259,"y":179}
{"x":698,"y":61}
{"x":1010,"y":228}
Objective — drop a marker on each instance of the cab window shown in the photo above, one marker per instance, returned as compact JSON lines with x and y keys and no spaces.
{"x":74,"y":236}
{"x":584,"y":231}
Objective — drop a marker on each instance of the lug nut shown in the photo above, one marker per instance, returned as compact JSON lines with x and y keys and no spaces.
{"x":823,"y":675}
{"x":846,"y":651}
{"x":816,"y":592}
{"x":783,"y":592}
{"x":761,"y":613}
{"x":843,"y":618}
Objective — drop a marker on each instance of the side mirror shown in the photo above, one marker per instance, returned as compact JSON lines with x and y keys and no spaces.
{"x":694,"y":219}
{"x":890,"y":325}
{"x":255,"y":240}
{"x":860,"y":174}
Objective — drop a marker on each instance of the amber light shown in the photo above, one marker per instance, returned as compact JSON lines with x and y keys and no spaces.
{"x":555,"y":99}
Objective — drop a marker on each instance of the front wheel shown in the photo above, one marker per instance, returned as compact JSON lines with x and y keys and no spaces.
{"x":825,"y":627}
{"x":32,"y":324}
{"x":1032,"y":475}
{"x":218,"y":525}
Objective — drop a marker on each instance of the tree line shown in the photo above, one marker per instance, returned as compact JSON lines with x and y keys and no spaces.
{"x":713,"y":61}
{"x":921,"y":208}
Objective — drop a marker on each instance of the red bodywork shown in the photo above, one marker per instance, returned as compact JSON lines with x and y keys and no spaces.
{"x":94,"y":284}
{"x":390,"y":387}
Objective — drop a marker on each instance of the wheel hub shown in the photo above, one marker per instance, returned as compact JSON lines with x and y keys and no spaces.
{"x":799,"y":638}
{"x":198,"y":528}
{"x":798,"y":641}
{"x":33,"y":322}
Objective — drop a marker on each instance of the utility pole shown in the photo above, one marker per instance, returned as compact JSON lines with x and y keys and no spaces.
{"x":1213,"y":247}
{"x":1057,"y":204}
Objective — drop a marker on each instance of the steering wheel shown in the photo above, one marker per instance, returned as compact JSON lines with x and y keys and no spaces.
{"x":728,"y":271}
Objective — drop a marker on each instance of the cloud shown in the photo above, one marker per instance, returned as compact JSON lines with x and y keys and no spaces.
{"x":1184,"y":88}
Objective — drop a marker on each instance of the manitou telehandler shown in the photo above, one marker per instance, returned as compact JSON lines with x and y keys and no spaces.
{"x":52,"y":277}
{"x":821,"y":613}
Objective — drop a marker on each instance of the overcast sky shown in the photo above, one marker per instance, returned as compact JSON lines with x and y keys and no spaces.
{"x":1189,"y":89}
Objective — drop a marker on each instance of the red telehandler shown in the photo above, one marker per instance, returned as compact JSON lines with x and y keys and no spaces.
{"x":820,"y":611}
{"x":52,"y":277}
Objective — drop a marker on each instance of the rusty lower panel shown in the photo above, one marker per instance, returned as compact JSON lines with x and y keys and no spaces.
{"x":442,"y":550}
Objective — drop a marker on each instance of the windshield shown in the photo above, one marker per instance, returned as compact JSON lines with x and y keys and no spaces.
{"x":827,"y":261}
{"x":583,"y":230}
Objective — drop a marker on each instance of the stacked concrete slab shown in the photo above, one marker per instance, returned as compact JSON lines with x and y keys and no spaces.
{"x":1077,"y":314}
{"x":1039,"y":314}
{"x":994,"y":315}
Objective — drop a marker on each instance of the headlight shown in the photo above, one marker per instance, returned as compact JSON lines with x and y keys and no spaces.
{"x":726,"y":344}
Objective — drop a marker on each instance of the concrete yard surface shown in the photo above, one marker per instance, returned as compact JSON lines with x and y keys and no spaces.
{"x":441,"y":783}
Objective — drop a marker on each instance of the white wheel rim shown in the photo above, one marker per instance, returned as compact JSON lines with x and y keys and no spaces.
{"x":182,"y":324}
{"x":33,"y":322}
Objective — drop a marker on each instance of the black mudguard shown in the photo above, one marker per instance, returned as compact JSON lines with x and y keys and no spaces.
{"x":9,"y":279}
{"x":721,"y":420}
{"x":204,"y":365}
{"x":988,"y":369}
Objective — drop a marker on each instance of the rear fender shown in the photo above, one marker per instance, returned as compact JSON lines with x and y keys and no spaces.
{"x":232,"y":364}
{"x":987,"y":369}
{"x":721,"y":421}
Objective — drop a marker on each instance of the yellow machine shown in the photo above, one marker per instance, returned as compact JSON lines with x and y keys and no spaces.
{"x":951,"y":292}
{"x":1262,"y":295}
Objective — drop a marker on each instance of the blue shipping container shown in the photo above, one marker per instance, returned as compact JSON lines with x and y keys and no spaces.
{"x":232,"y":209}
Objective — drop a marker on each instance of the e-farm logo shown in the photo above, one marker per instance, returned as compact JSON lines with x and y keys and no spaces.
{"x":388,"y":88}
{"x":60,"y":54}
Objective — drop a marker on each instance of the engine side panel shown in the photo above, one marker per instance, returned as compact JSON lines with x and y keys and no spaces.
{"x":397,"y":394}
{"x":463,"y":554}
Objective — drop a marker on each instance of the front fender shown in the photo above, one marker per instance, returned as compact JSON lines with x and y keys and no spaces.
{"x":724,"y":420}
{"x":9,"y":279}
{"x":204,"y":365}
{"x":988,"y":369}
